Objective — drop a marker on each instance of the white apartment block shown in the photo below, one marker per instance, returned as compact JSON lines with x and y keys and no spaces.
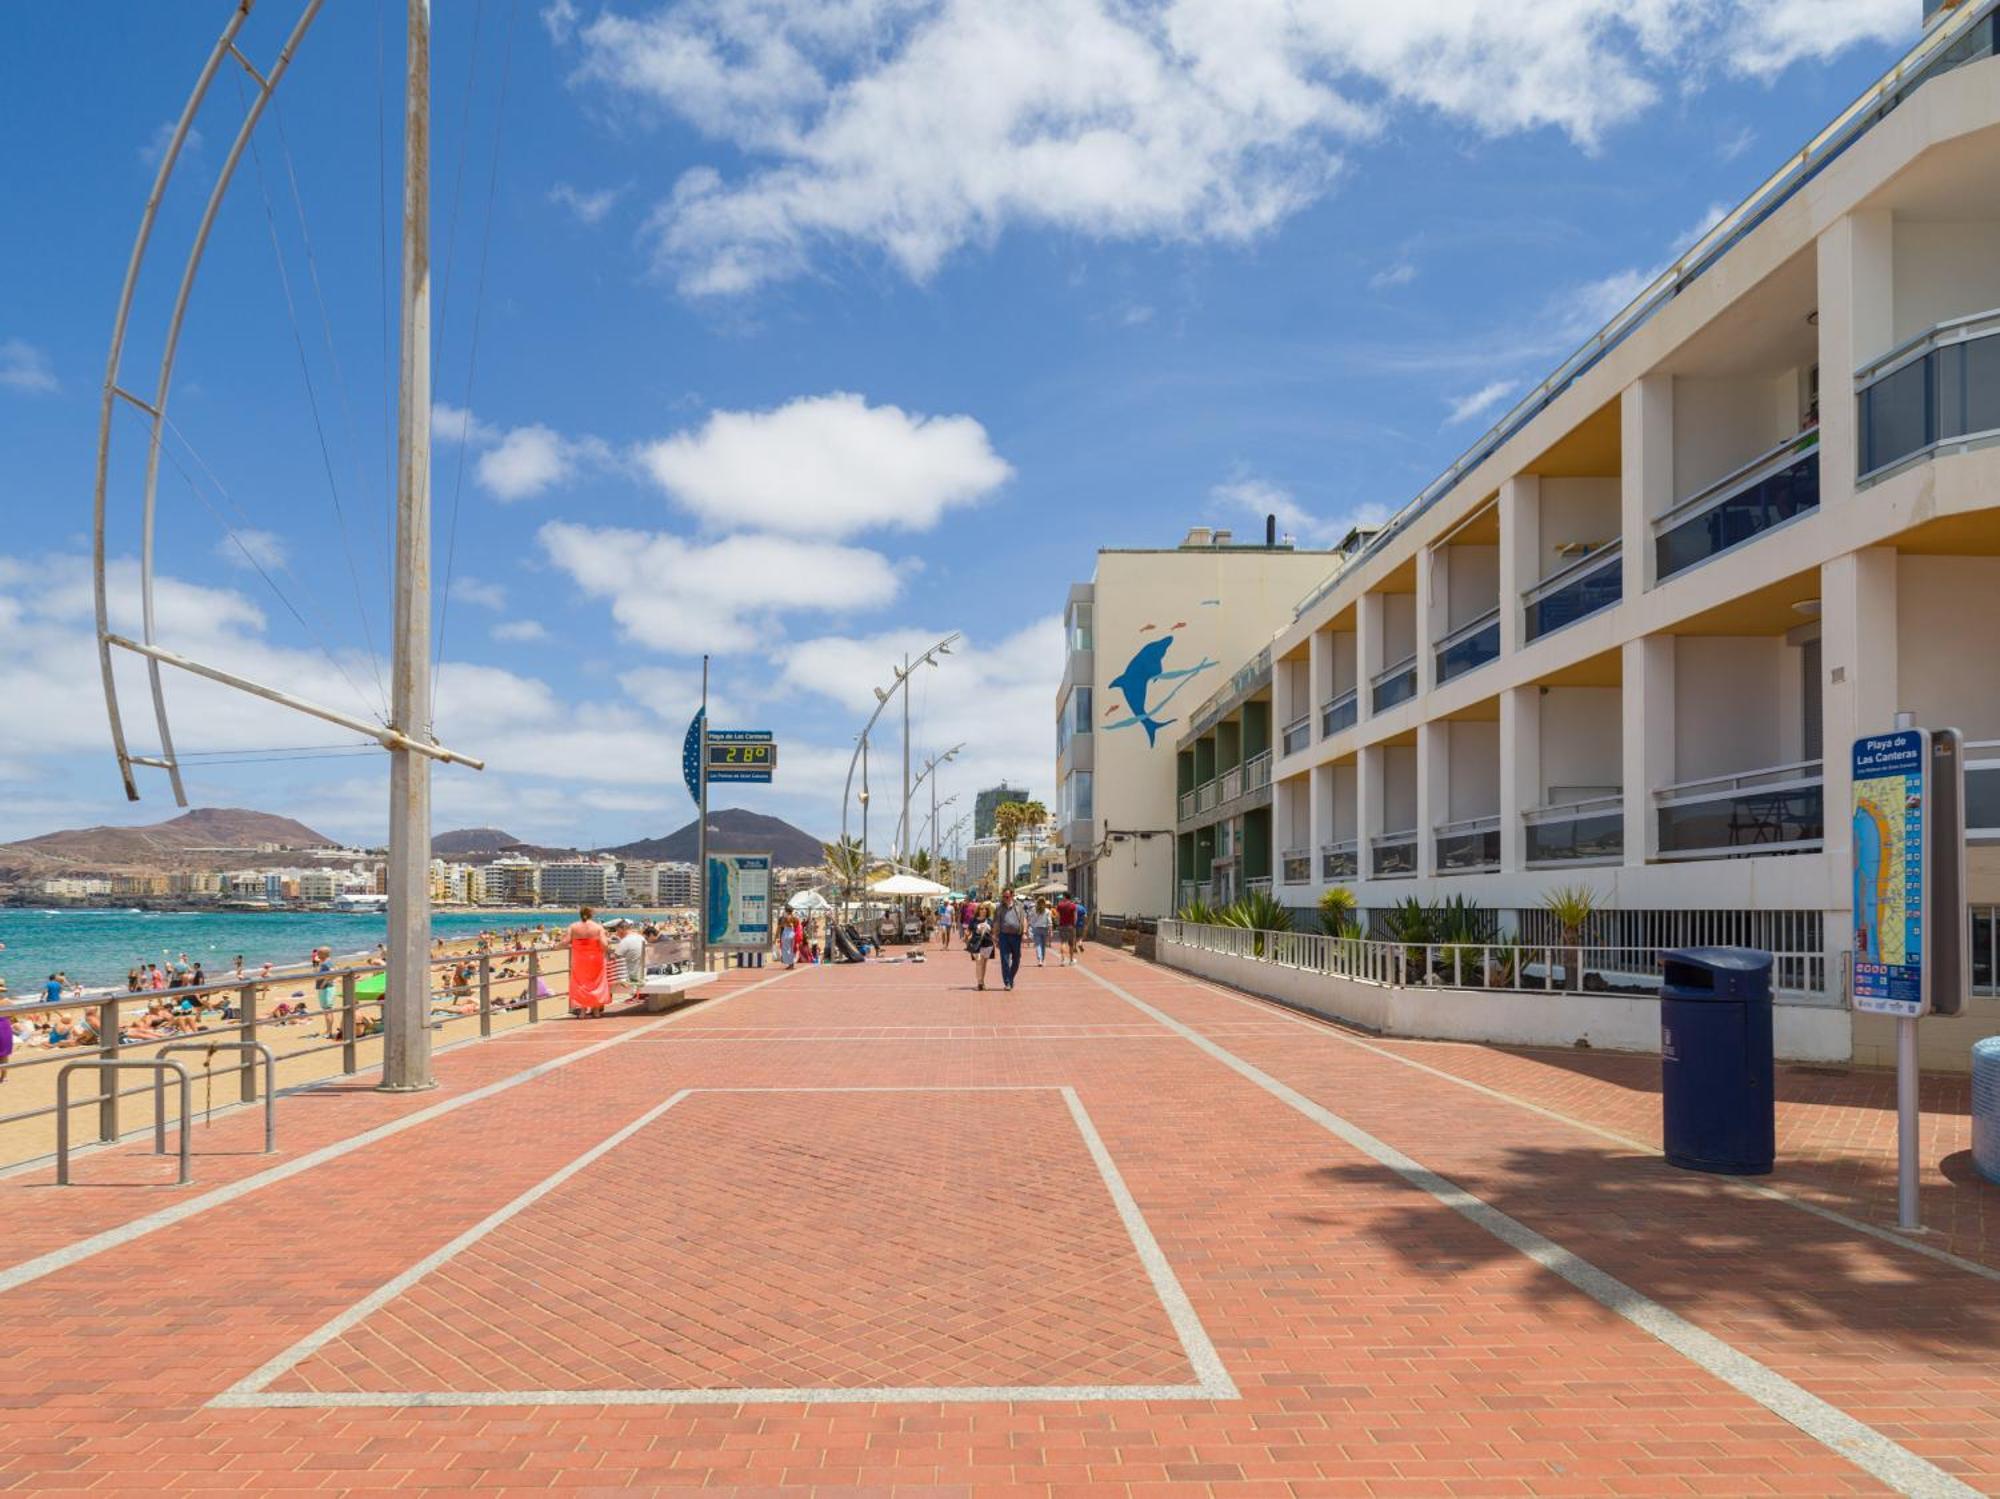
{"x":1627,"y":640}
{"x":673,"y":885}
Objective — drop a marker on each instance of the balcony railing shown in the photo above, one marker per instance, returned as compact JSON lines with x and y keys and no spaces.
{"x":1189,"y":892}
{"x":1779,"y":486}
{"x":1589,"y":831}
{"x":1982,"y":790}
{"x":1780,"y":809}
{"x":1577,"y":590}
{"x":1232,"y":785}
{"x":1393,"y":856}
{"x":1186,"y":805}
{"x":1469,"y":846}
{"x":1258,"y":884}
{"x":1339,"y":714}
{"x":1940,"y":388}
{"x":1257,"y":772}
{"x":1394,"y":684}
{"x":1204,"y":797}
{"x":1470,"y":645}
{"x":1296,"y":865}
{"x":1298,"y":734}
{"x":1340,"y":860}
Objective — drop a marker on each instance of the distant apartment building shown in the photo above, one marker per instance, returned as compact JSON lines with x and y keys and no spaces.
{"x":510,"y":880}
{"x":582,"y":882}
{"x":990,"y":801}
{"x":1627,"y":641}
{"x":673,"y":884}
{"x":75,"y":887}
{"x":1153,"y":633}
{"x":318,"y":884}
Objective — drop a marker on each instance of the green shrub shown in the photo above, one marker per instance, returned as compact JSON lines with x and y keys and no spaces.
{"x":1199,"y":913}
{"x":1336,"y":913}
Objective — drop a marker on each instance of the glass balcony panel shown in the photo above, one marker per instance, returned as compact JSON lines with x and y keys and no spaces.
{"x":1393,"y":856}
{"x":1471,"y":647}
{"x":1463,"y":848}
{"x":1969,"y":388}
{"x":1339,"y":714}
{"x":1339,"y":860}
{"x":1781,"y":494}
{"x":1782,"y":810}
{"x":1982,"y":950}
{"x":1982,"y":791}
{"x":1576,"y":838}
{"x":1596,"y":586}
{"x":1298,"y":734}
{"x":1396,"y":685}
{"x":1895,"y":416}
{"x":1947,"y":387}
{"x":1297,"y":866}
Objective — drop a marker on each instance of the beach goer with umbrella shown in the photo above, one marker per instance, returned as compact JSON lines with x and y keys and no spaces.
{"x":589,"y":979}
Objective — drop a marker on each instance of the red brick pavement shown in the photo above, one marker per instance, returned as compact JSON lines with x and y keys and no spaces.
{"x":1381,"y":1343}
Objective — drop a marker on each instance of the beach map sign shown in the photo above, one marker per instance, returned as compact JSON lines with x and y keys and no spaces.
{"x":1891,"y":791}
{"x":739,"y":901}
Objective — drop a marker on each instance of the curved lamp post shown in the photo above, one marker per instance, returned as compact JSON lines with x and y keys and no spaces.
{"x":902,"y":680}
{"x":930,"y":765}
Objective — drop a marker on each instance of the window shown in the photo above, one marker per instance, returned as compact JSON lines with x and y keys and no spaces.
{"x":1079,"y":627}
{"x":1073,"y":717}
{"x":1074,"y":799}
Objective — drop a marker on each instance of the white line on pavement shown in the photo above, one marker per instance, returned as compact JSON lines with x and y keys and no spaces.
{"x":1895,"y":1465}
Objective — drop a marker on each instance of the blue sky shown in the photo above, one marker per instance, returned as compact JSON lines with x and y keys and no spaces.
{"x":802,"y":335}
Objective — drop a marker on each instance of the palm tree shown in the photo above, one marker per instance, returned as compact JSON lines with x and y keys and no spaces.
{"x":1010,"y":821}
{"x":844,"y":866}
{"x":920,"y":861}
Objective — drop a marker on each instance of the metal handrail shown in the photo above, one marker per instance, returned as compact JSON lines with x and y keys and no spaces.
{"x":1257,"y":771}
{"x":1571,"y":570}
{"x":1341,"y":846}
{"x":1758,"y":469}
{"x":1719,"y":788}
{"x":1589,"y":806}
{"x":1389,"y":673}
{"x":1488,"y":824}
{"x":1466,"y":631}
{"x":270,"y":1077}
{"x":1341,"y":700}
{"x":1942,"y":335}
{"x":1846,"y":128}
{"x":104,"y":1066}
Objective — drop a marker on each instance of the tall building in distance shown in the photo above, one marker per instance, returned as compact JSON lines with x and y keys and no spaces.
{"x":1155,"y":633}
{"x":990,"y":801}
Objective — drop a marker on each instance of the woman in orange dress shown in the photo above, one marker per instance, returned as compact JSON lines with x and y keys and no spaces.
{"x":589,"y":975}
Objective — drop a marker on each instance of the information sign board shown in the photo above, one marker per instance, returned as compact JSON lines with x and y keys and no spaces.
{"x":741,"y":754}
{"x":739,"y":901}
{"x":1891,"y":813}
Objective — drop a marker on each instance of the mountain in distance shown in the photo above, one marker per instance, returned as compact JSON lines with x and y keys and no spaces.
{"x":735,"y":830}
{"x":184,"y":841}
{"x":461,"y":841}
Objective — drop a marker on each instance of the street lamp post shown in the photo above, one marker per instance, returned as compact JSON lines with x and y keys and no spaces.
{"x":930,"y":764}
{"x":910,"y":664}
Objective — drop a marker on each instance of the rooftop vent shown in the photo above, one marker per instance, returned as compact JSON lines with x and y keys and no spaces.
{"x":1197,"y":536}
{"x":1224,"y":538}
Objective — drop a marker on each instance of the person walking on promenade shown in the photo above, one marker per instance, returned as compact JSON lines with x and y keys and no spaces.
{"x":979,"y":943}
{"x":1067,"y":912}
{"x":589,"y":981}
{"x":947,"y":919}
{"x":968,"y":917}
{"x":1010,"y":929}
{"x":788,"y":940}
{"x":1039,"y":925}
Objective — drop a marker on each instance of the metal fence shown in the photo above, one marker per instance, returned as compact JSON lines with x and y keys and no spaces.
{"x":231,"y":1018}
{"x":1499,"y":964}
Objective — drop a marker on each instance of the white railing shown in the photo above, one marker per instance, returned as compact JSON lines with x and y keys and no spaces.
{"x":1204,"y":796}
{"x":1186,"y":805}
{"x":1476,"y":966}
{"x":1232,"y":785}
{"x":1257,"y":772}
{"x":1298,"y":734}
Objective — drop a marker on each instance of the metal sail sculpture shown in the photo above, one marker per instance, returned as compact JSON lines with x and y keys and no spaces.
{"x":407,"y":735}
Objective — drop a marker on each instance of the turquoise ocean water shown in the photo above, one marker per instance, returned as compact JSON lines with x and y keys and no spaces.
{"x":96,"y":947}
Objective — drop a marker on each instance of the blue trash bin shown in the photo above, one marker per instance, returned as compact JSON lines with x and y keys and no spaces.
{"x":1717,"y":1074}
{"x":1986,"y":1108}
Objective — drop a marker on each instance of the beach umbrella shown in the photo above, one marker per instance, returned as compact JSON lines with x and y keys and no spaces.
{"x":371,"y":985}
{"x":907,"y":884}
{"x":810,"y":900}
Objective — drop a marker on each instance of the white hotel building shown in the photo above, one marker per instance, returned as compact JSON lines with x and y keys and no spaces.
{"x":1628,"y":638}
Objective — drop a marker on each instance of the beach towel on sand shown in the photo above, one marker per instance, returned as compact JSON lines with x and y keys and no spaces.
{"x":589,"y":984}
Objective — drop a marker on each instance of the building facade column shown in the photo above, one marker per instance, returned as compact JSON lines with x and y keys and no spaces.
{"x":1520,"y":771}
{"x":1856,"y":324}
{"x":1433,"y":791}
{"x":1520,"y":555}
{"x":1647,"y":739}
{"x":1859,"y":695}
{"x":1367,"y":652}
{"x":1369,"y":769}
{"x":1646,"y":473}
{"x":1432,"y":608}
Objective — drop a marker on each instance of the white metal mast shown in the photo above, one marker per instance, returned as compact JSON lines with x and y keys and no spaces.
{"x":406,"y":1032}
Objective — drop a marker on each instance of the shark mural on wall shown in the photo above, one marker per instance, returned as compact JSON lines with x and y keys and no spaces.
{"x":1137,"y":682}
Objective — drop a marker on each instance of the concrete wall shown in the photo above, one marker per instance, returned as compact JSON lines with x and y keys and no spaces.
{"x":1720,"y":425}
{"x":1802,"y":1033}
{"x":1575,"y":510}
{"x":1472,"y":583}
{"x":1580,"y":729}
{"x":1726,"y":692}
{"x":1474,"y":761}
{"x":1948,"y":630}
{"x":1399,"y":787}
{"x":1399,"y":627}
{"x":1944,"y":270}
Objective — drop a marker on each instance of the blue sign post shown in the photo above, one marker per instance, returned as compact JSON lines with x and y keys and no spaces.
{"x":1891,"y":816}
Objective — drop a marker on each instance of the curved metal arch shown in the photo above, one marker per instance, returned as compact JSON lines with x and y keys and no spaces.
{"x":156,"y":410}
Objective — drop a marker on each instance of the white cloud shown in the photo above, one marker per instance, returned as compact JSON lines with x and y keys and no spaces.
{"x":685,"y":597}
{"x":1402,"y":273}
{"x":457,"y":425}
{"x":1481,"y":401}
{"x":1262,"y":497}
{"x":25,"y":368}
{"x":519,"y":630}
{"x":155,"y":149}
{"x":521,"y":462}
{"x":559,"y":19}
{"x":826,"y":466}
{"x":589,"y":207}
{"x":250,"y":548}
{"x":476,"y":591}
{"x":1735,"y":145}
{"x":1769,"y":37}
{"x":1137,"y":315}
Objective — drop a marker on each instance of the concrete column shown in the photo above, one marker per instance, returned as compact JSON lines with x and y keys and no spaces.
{"x":1319,"y":671}
{"x":1646,"y":437}
{"x":1857,"y":322}
{"x":1433,"y":608}
{"x":1433,"y":791}
{"x":1520,"y":554}
{"x":1520,"y":771}
{"x":1860,"y":695}
{"x":1647,"y":739}
{"x":1368,"y":801}
{"x":1367,"y":650}
{"x":1319,"y":811}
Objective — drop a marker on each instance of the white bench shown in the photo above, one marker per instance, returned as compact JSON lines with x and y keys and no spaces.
{"x":664,"y":991}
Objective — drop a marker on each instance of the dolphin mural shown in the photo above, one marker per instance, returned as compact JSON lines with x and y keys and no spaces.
{"x":1147,"y":667}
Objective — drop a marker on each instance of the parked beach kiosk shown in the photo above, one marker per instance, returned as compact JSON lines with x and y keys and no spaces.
{"x":1717,"y":1077}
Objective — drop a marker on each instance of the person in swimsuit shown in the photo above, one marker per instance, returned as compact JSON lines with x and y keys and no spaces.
{"x":589,"y":970}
